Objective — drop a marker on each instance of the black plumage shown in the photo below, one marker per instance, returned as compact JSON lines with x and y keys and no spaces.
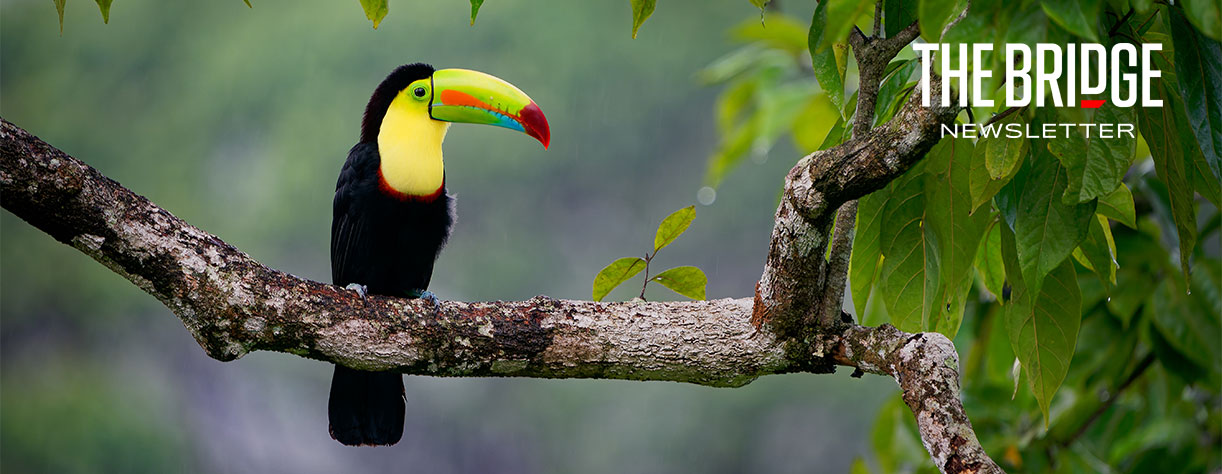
{"x":388,"y":242}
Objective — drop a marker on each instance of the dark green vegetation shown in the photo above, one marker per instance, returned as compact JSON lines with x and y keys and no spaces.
{"x":1079,"y":278}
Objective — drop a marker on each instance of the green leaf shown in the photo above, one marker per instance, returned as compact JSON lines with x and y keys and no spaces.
{"x":59,"y":8}
{"x":810,"y":128}
{"x":908,"y":278}
{"x":1003,"y":155}
{"x":1046,"y":230}
{"x":1207,"y":285}
{"x":1209,"y":187}
{"x":934,"y":15}
{"x":1043,"y":327}
{"x":1171,"y":359}
{"x":756,"y":59}
{"x":864,"y":259}
{"x":1192,"y":331}
{"x":1098,"y":251}
{"x":731,"y":151}
{"x":982,"y":186}
{"x":829,"y":62}
{"x":732,"y":103}
{"x":1198,"y":66}
{"x":1161,"y":128}
{"x":989,"y":263}
{"x":617,"y":272}
{"x":1076,"y":16}
{"x":778,"y":106}
{"x":687,"y":281}
{"x":1142,"y":259}
{"x":475,"y":5}
{"x":1118,"y":205}
{"x":760,"y":4}
{"x":1095,"y":166}
{"x":104,"y":6}
{"x":892,"y":87}
{"x":952,"y":228}
{"x":248,"y":5}
{"x":641,"y":9}
{"x":999,"y":356}
{"x":673,"y":226}
{"x":835,"y":136}
{"x":898,"y":14}
{"x":375,"y":10}
{"x":875,"y":310}
{"x":842,"y":14}
{"x":859,"y":466}
{"x":782,"y":32}
{"x":1206,"y":15}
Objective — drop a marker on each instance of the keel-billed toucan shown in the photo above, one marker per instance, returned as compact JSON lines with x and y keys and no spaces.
{"x":392,"y":213}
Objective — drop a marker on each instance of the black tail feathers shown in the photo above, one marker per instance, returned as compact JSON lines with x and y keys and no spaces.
{"x":366,"y":408}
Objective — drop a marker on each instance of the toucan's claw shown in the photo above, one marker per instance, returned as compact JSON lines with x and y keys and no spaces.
{"x":360,"y":290}
{"x":429,"y":297}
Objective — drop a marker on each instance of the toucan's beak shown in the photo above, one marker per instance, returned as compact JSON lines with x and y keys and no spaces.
{"x":461,"y":95}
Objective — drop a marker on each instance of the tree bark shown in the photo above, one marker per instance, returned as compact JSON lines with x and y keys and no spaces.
{"x":232,"y":304}
{"x":788,"y":294}
{"x":872,"y":54}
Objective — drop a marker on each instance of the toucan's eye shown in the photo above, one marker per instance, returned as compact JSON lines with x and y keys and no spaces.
{"x":419,"y":92}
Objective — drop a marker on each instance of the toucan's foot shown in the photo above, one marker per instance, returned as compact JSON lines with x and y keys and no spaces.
{"x":360,"y":290}
{"x":430,"y":297}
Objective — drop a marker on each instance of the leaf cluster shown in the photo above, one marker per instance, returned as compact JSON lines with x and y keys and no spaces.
{"x":1071,"y":268}
{"x":688,"y":281}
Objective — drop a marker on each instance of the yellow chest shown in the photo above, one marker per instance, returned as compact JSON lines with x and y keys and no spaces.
{"x":409,"y":142}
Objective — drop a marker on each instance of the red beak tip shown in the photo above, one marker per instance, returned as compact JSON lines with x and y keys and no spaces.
{"x":536,"y":124}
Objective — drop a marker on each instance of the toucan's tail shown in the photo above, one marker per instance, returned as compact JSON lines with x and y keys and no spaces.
{"x":366,"y":408}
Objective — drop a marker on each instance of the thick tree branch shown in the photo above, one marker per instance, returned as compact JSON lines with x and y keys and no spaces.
{"x":788,"y":294}
{"x":873,"y":54}
{"x":926,"y":367}
{"x":232,"y":305}
{"x":838,"y":257}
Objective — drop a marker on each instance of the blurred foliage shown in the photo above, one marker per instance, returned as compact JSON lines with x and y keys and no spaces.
{"x":1029,"y":253}
{"x":241,"y":124}
{"x":238,"y":119}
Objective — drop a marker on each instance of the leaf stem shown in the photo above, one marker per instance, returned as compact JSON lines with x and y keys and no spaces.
{"x":648,"y":258}
{"x":1143,"y":24}
{"x":1003,"y":114}
{"x":1116,"y":27}
{"x":878,"y":19}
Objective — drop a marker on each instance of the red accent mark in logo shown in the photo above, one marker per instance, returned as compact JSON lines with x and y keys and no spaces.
{"x":1092,"y":104}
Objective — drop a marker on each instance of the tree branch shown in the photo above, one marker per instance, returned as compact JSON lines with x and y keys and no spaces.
{"x":872,"y":55}
{"x":232,"y":304}
{"x":795,"y":273}
{"x":926,"y":367}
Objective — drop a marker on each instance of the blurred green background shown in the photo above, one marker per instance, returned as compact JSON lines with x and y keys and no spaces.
{"x":238,"y":120}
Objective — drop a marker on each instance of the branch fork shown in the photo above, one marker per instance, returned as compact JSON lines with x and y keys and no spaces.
{"x":232,"y":304}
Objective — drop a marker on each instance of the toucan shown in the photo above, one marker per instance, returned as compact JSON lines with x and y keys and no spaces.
{"x":392,"y":214}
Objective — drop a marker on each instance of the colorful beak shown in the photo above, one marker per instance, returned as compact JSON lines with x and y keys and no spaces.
{"x":464,"y":96}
